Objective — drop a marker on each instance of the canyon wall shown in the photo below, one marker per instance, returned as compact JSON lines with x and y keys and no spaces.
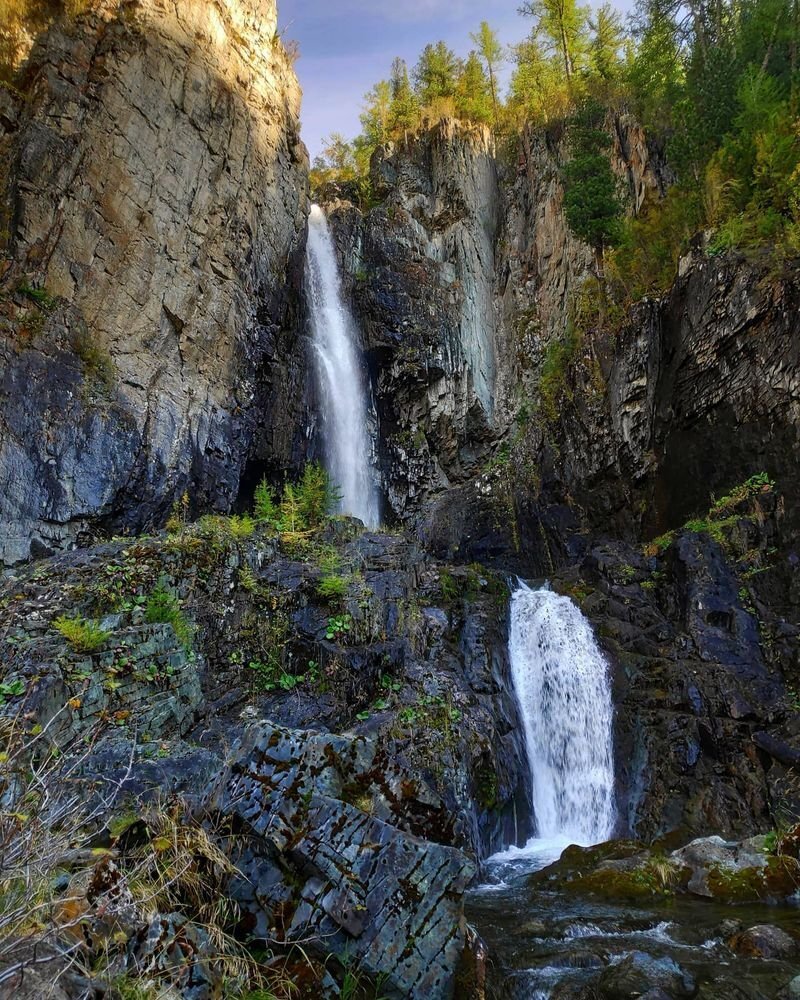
{"x":153,"y":200}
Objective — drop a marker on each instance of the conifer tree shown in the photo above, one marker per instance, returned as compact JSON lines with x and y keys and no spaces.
{"x":491,"y":51}
{"x":563,"y":25}
{"x":436,"y":73}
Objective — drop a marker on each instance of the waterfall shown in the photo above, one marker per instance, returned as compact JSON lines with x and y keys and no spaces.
{"x":338,"y":369}
{"x":564,"y":695}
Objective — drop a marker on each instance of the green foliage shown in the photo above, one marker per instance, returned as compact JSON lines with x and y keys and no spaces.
{"x":435,"y":73}
{"x":39,"y":296}
{"x":332,"y":587}
{"x":591,"y":205}
{"x":339,"y":628}
{"x":317,"y":495}
{"x":11,"y":689}
{"x":650,"y":245}
{"x":84,"y":636}
{"x":560,"y":26}
{"x":553,"y":384}
{"x":720,"y":515}
{"x":265,"y":506}
{"x":163,"y":607}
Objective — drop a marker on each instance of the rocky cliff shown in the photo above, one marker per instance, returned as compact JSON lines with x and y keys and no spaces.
{"x":153,"y":203}
{"x":325,"y":716}
{"x":599,"y":440}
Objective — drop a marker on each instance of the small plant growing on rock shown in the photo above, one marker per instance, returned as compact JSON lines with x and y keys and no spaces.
{"x":163,"y":608}
{"x":339,"y":626}
{"x":11,"y":689}
{"x":83,"y":635}
{"x":332,"y":587}
{"x":265,"y":506}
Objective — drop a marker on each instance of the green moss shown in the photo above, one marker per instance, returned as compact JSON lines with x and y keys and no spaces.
{"x":778,"y":879}
{"x":553,"y":382}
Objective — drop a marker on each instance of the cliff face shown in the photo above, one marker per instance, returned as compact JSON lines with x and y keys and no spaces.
{"x":153,"y":199}
{"x":459,"y":279}
{"x":694,"y":394}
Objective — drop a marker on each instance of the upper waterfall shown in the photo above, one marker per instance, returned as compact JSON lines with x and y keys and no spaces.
{"x":341,"y":384}
{"x":563,"y":690}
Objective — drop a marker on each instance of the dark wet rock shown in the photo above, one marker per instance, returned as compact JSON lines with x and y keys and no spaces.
{"x":638,"y":973}
{"x":764,"y":941}
{"x":350,"y":825}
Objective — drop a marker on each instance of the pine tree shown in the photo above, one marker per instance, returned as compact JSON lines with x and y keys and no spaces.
{"x":265,"y":507}
{"x":607,"y":40}
{"x":592,"y":208}
{"x":436,"y":73}
{"x":376,"y":116}
{"x":491,"y":51}
{"x":473,"y":92}
{"x":563,"y":25}
{"x":404,"y":109}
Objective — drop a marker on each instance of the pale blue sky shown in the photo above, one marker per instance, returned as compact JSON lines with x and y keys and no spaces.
{"x":348,"y":45}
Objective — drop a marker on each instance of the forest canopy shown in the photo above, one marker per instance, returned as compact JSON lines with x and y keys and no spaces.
{"x":715,"y":84}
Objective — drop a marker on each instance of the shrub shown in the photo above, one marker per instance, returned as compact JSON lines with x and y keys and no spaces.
{"x":84,"y":636}
{"x":164,"y":608}
{"x":331,"y":586}
{"x":317,"y":496}
{"x":265,"y":506}
{"x":553,"y":385}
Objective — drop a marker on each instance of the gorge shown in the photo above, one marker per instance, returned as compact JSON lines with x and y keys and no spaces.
{"x":383,"y":614}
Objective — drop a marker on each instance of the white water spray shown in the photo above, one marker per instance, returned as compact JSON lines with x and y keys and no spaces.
{"x":564,"y":696}
{"x":341,"y":384}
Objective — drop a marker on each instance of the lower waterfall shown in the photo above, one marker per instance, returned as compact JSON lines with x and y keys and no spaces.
{"x":341,"y":383}
{"x":563,"y":690}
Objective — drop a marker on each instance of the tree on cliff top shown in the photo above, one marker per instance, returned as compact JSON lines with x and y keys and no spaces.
{"x":491,"y":51}
{"x":561,"y":25}
{"x":593,"y":210}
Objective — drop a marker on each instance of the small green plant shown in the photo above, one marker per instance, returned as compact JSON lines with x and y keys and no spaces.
{"x":247,"y":579}
{"x":179,"y":515}
{"x":39,"y":296}
{"x":332,"y":587}
{"x":339,"y":626}
{"x":11,"y":689}
{"x":83,"y":635}
{"x":164,"y":608}
{"x":265,"y":505}
{"x":448,"y":585}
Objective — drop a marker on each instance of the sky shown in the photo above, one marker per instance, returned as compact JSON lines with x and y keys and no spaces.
{"x":346,"y":46}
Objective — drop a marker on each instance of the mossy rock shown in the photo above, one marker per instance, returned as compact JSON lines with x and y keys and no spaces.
{"x":778,"y":879}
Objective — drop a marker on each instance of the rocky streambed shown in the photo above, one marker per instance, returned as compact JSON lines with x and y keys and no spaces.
{"x":715,"y":920}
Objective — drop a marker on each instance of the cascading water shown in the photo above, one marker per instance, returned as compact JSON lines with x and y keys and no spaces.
{"x":564,"y":696}
{"x":338,"y":366}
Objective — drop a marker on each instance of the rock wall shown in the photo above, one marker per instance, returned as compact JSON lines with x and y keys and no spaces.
{"x":694,"y":394}
{"x":459,"y":279}
{"x":153,"y":197}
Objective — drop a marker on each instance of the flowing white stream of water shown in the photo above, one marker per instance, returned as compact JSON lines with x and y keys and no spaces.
{"x":341,"y":383}
{"x":563,"y":691}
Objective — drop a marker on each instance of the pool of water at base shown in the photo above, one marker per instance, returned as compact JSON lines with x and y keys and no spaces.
{"x":539,"y":940}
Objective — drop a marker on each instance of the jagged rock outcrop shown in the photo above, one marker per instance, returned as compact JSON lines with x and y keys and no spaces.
{"x":153,"y":198}
{"x":421,"y":272}
{"x":364,"y":747}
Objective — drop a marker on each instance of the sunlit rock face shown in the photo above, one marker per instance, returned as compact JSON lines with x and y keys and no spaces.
{"x":460,"y":277}
{"x":421,"y":271}
{"x":154,"y":189}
